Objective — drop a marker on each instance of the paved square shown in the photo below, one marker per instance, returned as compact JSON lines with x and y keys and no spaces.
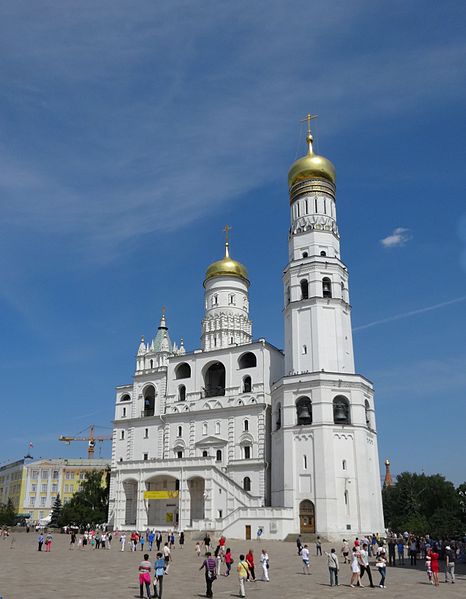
{"x":90,"y":574}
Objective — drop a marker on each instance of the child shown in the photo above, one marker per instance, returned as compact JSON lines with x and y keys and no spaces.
{"x":429,"y":568}
{"x":198,"y":549}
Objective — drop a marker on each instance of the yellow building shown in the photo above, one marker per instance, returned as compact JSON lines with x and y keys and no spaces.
{"x":46,"y":478}
{"x":12,"y":483}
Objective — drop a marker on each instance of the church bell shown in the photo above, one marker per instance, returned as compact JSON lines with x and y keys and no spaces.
{"x":340,"y":413}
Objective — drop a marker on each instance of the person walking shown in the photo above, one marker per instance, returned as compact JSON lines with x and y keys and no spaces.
{"x":391,"y":551}
{"x":207,"y":542}
{"x":355,"y":569}
{"x":345,"y":551}
{"x":141,"y":542}
{"x":48,"y":543}
{"x":144,"y":576}
{"x":123,"y":541}
{"x":381,"y":565}
{"x":228,"y":561}
{"x":40,"y":541}
{"x":151,"y":539}
{"x":306,"y":559}
{"x":158,"y":539}
{"x":198,"y":549}
{"x":434,"y":557}
{"x":209,"y":565}
{"x":449,"y":564}
{"x":243,"y":574}
{"x":299,"y":544}
{"x":181,"y":540}
{"x":251,"y":566}
{"x":218,"y":557}
{"x":159,"y":571}
{"x":333,"y":567}
{"x":318,"y":546}
{"x":72,"y":539}
{"x":264,"y":559}
{"x":364,"y":565}
{"x":167,"y":556}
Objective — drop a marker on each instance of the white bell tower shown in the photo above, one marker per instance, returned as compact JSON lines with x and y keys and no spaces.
{"x":325,"y":462}
{"x":317,"y":311}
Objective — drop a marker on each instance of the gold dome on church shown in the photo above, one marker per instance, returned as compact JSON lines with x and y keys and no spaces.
{"x":311,"y":166}
{"x":227,"y":267}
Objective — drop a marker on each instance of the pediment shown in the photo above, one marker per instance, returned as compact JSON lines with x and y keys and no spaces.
{"x":210,"y":441}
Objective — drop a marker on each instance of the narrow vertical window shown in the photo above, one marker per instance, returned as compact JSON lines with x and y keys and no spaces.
{"x":304,"y":289}
{"x":180,"y":431}
{"x":326,"y":287}
{"x":316,"y":208}
{"x":305,"y":462}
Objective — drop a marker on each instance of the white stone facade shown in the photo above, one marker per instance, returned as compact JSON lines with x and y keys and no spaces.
{"x":238,"y":435}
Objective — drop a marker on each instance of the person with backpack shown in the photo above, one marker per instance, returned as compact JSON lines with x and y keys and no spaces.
{"x":159,"y":571}
{"x":333,"y":567}
{"x":210,"y":566}
{"x":243,"y":574}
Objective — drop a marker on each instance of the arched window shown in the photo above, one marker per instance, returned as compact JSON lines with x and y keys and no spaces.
{"x":214,"y":300}
{"x":204,"y":428}
{"x":217,"y":428}
{"x":304,"y":350}
{"x":304,"y":289}
{"x":231,"y":299}
{"x":247,"y":360}
{"x":304,"y":411}
{"x":326,"y":287}
{"x":246,"y":425}
{"x":247,"y":452}
{"x":278,"y":423}
{"x":247,"y":384}
{"x":179,"y":454}
{"x":149,"y":400}
{"x":181,"y":393}
{"x":218,"y":455}
{"x":323,"y":253}
{"x":341,"y":412}
{"x":125,"y":397}
{"x":180,"y":431}
{"x":368,"y":414}
{"x":183,"y":371}
{"x":205,"y":453}
{"x":214,"y":380}
{"x":247,"y":483}
{"x":152,"y":363}
{"x":343,"y":464}
{"x":305,"y":254}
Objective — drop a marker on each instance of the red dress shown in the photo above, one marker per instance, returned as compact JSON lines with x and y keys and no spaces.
{"x":434,"y":561}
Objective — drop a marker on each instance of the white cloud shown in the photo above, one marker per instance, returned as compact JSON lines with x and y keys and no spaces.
{"x":398,"y":238}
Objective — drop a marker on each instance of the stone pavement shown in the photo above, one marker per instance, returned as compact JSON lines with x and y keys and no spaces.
{"x":92,"y":574}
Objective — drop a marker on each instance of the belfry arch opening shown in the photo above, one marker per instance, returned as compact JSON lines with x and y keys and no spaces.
{"x":247,"y":360}
{"x":149,"y":400}
{"x":214,"y":380}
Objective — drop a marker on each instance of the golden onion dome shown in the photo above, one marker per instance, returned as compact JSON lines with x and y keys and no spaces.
{"x":227,"y":267}
{"x":311,"y":166}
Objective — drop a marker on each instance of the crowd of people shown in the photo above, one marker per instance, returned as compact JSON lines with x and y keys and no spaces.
{"x":364,"y":556}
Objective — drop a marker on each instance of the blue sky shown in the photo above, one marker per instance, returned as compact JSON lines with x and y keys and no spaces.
{"x":130,"y":133}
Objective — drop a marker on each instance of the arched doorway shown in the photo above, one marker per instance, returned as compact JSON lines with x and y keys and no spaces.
{"x":130,"y":488}
{"x":307,"y":520}
{"x":196,"y":487}
{"x":163,"y":506}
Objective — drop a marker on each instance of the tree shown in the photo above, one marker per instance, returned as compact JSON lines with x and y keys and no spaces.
{"x":56,"y":511}
{"x":423,"y":504}
{"x":90,"y":505}
{"x":7,"y":513}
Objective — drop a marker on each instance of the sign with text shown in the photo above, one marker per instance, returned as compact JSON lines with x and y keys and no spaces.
{"x":161,"y":494}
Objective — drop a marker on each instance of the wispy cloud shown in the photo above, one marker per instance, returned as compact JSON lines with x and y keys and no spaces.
{"x":398,"y":238}
{"x":403,"y":315}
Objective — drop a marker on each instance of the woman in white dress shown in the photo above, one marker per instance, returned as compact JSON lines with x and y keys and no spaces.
{"x":355,"y":568}
{"x":265,"y":565}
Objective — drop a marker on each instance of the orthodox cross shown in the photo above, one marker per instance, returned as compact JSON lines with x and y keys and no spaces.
{"x":227,"y":229}
{"x":308,"y":119}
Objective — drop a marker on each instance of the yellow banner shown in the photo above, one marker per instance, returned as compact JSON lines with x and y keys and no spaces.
{"x":161,"y":494}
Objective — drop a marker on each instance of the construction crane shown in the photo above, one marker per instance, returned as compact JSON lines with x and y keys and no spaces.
{"x":91,"y":440}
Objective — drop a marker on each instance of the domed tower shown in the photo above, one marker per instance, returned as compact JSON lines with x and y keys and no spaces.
{"x":226,"y":320}
{"x":324,"y":442}
{"x":317,"y":310}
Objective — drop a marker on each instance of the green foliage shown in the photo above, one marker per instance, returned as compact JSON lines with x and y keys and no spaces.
{"x":90,"y":505}
{"x":56,"y":512}
{"x":7,"y":514}
{"x":424,"y":504}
